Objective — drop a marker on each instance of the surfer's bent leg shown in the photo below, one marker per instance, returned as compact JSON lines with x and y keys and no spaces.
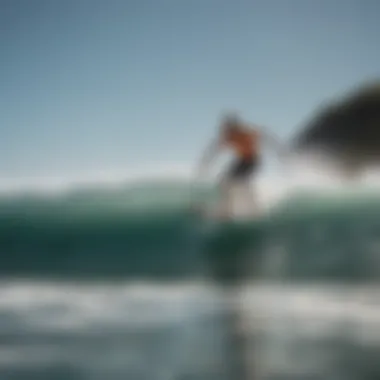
{"x":241,"y":174}
{"x":225,"y":188}
{"x":251,"y":186}
{"x":248,"y":196}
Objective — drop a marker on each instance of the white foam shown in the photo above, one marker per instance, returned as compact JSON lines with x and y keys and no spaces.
{"x":271,"y":188}
{"x":108,"y":178}
{"x":98,"y":300}
{"x":76,"y":306}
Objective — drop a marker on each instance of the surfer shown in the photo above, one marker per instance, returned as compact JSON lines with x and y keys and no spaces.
{"x":245,"y":140}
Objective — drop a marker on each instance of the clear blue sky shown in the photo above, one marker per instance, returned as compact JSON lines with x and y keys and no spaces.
{"x":88,"y":84}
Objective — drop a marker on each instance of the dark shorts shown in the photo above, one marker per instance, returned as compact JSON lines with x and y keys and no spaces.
{"x":243,"y":168}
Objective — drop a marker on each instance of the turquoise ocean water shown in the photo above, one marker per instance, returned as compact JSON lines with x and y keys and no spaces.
{"x":127,"y":284}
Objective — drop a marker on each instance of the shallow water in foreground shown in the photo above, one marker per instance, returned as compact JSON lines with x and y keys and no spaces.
{"x":99,"y":331}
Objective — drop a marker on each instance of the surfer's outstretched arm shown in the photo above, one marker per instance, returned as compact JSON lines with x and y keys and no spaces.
{"x":272,"y":140}
{"x":210,"y":153}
